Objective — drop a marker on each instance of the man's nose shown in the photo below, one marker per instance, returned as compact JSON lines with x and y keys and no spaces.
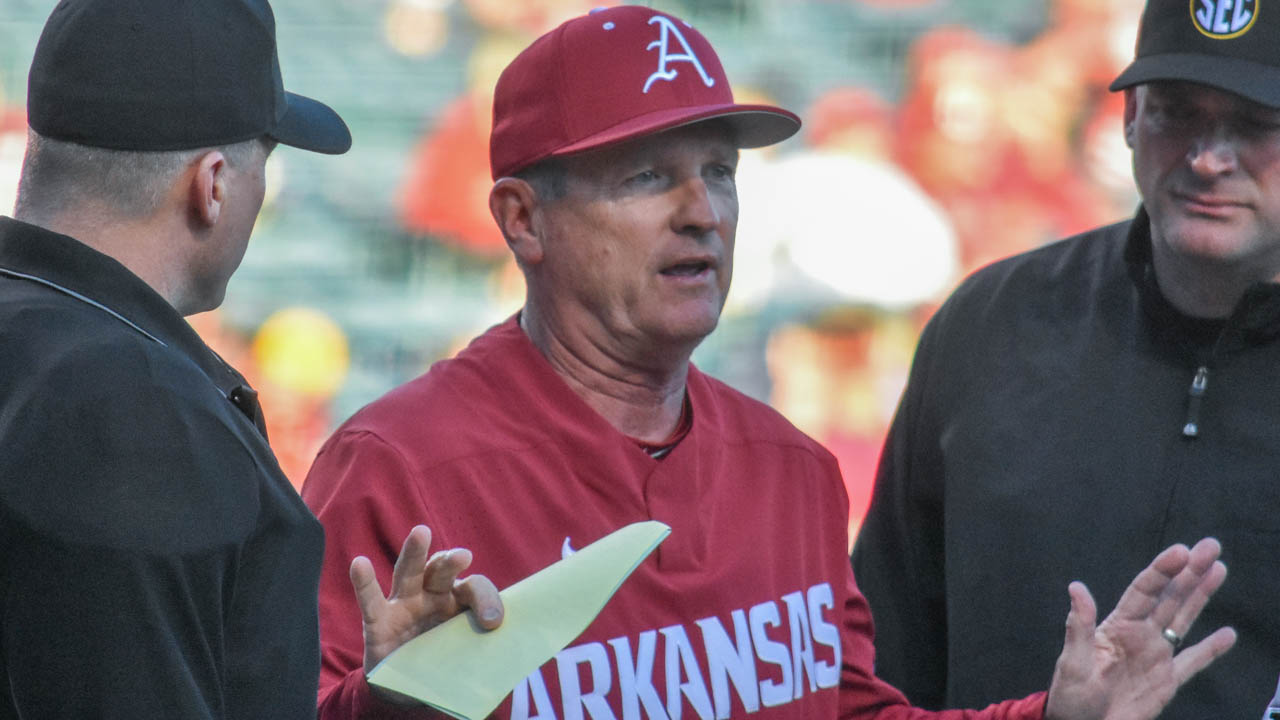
{"x":697,"y":213}
{"x":1213,"y":153}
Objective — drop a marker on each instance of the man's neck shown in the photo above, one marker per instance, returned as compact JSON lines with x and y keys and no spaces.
{"x":144,"y":246}
{"x":640,"y":400}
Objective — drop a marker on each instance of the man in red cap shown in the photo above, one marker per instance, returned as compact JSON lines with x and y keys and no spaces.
{"x":1075,"y":408}
{"x":614,"y":147}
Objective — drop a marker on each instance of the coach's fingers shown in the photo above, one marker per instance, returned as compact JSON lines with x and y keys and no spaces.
{"x":481,"y":595}
{"x":1195,"y":602}
{"x":368,"y":593}
{"x":443,"y":569}
{"x":406,"y":577}
{"x":1189,"y":586}
{"x":1082,"y":619}
{"x":1143,"y":595}
{"x":1197,"y":657}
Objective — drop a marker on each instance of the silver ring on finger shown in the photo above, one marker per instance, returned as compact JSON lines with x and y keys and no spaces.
{"x":1174,"y":638}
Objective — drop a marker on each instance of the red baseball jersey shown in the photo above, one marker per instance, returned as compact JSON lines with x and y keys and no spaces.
{"x":749,"y":607}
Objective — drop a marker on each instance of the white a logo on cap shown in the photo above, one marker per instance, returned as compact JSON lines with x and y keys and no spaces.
{"x":1224,"y":19}
{"x":665,"y":55}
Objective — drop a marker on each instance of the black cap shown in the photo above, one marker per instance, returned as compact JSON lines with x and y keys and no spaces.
{"x":1226,"y":44}
{"x":169,"y":75}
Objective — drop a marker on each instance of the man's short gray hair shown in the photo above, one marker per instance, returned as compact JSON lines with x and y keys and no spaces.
{"x":549,"y":178}
{"x":57,"y":174}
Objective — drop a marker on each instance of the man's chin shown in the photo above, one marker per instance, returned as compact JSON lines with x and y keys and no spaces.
{"x":204,"y":303}
{"x":1193,"y":236}
{"x":686,"y":332}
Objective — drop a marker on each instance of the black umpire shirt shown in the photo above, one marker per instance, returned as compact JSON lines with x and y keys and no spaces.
{"x":154,"y":560}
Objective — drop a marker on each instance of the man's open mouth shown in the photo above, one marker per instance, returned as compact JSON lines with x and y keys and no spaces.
{"x":688,"y":269}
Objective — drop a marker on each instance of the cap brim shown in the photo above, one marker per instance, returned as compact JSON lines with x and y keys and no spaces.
{"x":311,"y":125}
{"x":753,"y":125}
{"x":1255,"y":81}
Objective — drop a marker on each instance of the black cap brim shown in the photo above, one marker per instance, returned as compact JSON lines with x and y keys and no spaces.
{"x":1255,"y":81}
{"x":311,"y":125}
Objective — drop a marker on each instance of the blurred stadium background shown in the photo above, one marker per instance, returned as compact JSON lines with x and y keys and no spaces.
{"x":939,"y":135}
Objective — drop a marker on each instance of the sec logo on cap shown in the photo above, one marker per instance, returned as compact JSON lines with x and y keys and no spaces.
{"x":1224,"y":19}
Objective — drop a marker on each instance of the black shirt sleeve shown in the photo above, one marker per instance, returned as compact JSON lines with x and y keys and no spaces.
{"x":898,"y":556}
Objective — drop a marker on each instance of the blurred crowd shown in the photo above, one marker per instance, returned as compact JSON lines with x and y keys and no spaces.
{"x":981,"y":145}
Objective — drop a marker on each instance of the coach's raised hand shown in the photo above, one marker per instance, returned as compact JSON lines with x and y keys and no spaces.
{"x":424,"y":593}
{"x":1130,"y":666}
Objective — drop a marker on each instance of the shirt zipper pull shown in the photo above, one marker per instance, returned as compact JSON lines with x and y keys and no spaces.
{"x":1198,"y":384}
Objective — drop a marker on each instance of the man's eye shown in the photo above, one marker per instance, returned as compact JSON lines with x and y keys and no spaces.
{"x":722,"y":171}
{"x":1259,"y":126}
{"x":644,"y":176}
{"x":1174,"y":117}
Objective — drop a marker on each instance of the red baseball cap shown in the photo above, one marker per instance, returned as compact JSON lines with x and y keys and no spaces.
{"x":613,"y":75}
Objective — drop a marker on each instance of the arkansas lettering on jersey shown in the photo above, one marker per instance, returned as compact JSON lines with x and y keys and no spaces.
{"x":772,"y":654}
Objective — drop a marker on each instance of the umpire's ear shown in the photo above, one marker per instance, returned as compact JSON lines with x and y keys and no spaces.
{"x":514,"y":206}
{"x":1131,"y":101}
{"x":207,"y":189}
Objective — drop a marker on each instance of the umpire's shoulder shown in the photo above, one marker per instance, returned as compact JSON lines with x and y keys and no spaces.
{"x":110,"y":438}
{"x":1056,"y":265}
